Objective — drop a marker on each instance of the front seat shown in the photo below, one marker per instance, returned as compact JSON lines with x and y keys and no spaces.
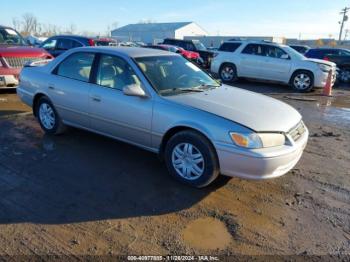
{"x":107,"y":76}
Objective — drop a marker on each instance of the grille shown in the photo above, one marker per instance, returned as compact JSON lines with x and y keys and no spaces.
{"x":18,"y":62}
{"x":297,"y":132}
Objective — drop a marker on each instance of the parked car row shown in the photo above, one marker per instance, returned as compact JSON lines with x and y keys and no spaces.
{"x":189,"y":55}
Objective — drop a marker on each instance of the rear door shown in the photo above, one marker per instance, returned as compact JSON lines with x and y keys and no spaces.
{"x":276,"y":64}
{"x":69,"y":88}
{"x":250,"y":61}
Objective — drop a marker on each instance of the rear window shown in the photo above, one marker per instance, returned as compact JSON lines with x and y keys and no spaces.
{"x":77,"y":66}
{"x":229,"y":47}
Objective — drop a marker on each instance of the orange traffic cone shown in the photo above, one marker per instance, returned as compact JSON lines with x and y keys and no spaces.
{"x":327,"y":90}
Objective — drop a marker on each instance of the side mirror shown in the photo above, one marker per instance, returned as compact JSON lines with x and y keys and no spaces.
{"x":285,"y":56}
{"x":134,"y":90}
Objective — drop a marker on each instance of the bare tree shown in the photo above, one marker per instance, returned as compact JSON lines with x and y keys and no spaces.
{"x":16,"y":23}
{"x":50,"y":30}
{"x":30,"y":24}
{"x":72,"y":29}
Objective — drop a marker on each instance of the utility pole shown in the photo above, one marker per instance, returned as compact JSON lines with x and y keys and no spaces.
{"x":346,"y":34}
{"x":344,"y":19}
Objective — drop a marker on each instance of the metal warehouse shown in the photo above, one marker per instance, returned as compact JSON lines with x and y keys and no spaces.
{"x":156,"y":32}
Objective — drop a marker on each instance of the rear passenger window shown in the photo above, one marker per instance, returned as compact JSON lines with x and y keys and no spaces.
{"x":77,"y":66}
{"x":229,"y":47}
{"x":253,"y":49}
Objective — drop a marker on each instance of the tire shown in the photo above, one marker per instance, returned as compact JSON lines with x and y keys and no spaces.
{"x":302,"y":81}
{"x":191,"y":159}
{"x":228,"y":73}
{"x":48,"y":118}
{"x":344,"y":75}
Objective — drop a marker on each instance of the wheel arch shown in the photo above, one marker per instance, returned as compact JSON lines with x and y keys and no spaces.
{"x":36,"y":99}
{"x":179,"y":128}
{"x":302,"y":70}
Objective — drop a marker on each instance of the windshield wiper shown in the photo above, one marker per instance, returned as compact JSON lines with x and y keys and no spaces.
{"x":207,"y":86}
{"x":182,"y":90}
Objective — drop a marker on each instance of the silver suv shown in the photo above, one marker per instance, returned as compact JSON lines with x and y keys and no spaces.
{"x":273,"y":62}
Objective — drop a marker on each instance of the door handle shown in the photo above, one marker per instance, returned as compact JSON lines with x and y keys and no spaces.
{"x":51,"y":87}
{"x":96,"y":98}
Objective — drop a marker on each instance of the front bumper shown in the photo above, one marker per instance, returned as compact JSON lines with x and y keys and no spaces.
{"x":262,"y":163}
{"x":8,"y":81}
{"x":321,"y":78}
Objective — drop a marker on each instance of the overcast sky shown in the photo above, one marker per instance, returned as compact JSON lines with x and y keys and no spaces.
{"x":288,"y":18}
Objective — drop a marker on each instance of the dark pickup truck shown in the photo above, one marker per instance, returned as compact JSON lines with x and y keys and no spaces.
{"x":337,"y":55}
{"x":194,"y":46}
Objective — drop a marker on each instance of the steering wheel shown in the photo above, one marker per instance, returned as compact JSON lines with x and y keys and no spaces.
{"x":181,"y":79}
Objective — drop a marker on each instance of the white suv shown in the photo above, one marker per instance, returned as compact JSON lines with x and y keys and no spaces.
{"x":270,"y":61}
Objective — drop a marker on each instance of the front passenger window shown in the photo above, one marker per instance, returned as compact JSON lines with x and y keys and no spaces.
{"x":116,"y":73}
{"x":77,"y":66}
{"x":252,"y":49}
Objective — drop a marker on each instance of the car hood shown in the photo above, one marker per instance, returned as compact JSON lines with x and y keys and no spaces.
{"x":22,"y":51}
{"x":320,"y":61}
{"x":257,"y":112}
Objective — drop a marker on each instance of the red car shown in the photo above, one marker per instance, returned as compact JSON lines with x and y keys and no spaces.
{"x":189,"y":55}
{"x":105,"y":42}
{"x":14,"y":53}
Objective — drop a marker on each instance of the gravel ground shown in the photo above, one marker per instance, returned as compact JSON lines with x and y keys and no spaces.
{"x":83,"y":194}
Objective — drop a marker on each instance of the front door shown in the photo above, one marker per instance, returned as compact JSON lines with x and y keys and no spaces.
{"x":127,"y":118}
{"x":276,"y":64}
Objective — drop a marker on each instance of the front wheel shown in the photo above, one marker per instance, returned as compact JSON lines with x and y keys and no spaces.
{"x":302,"y":81}
{"x":228,"y":73}
{"x":191,"y":159}
{"x":48,"y":118}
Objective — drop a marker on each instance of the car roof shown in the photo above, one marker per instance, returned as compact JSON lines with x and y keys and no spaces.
{"x":71,"y":36}
{"x":327,"y":48}
{"x":260,"y":42}
{"x":133,"y":52}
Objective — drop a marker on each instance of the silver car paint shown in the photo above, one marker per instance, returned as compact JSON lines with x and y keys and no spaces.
{"x":268,"y":68}
{"x":143,"y":121}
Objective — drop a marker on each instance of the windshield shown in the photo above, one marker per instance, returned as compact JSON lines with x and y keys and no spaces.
{"x":10,"y":37}
{"x":293,"y":52}
{"x":172,"y":75}
{"x":199,"y":46}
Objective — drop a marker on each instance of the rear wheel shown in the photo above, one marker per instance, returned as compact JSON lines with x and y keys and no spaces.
{"x":191,"y":159}
{"x":48,"y":118}
{"x":228,"y":73}
{"x":302,"y":81}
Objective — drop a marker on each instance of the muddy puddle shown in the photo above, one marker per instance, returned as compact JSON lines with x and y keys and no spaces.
{"x":10,"y":105}
{"x":207,"y":234}
{"x":334,"y":109}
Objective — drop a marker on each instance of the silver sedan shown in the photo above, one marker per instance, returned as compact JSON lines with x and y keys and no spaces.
{"x":163,"y":103}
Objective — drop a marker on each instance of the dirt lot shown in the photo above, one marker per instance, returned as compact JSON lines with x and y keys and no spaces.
{"x":82,"y":194}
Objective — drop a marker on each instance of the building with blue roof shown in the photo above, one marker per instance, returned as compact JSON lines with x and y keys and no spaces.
{"x":151,"y":33}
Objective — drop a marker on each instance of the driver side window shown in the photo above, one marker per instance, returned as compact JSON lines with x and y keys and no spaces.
{"x":50,"y":44}
{"x":115,"y":73}
{"x":274,"y":52}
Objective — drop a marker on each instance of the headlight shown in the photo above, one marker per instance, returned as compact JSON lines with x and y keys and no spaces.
{"x":256,"y":140}
{"x":324,"y":68}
